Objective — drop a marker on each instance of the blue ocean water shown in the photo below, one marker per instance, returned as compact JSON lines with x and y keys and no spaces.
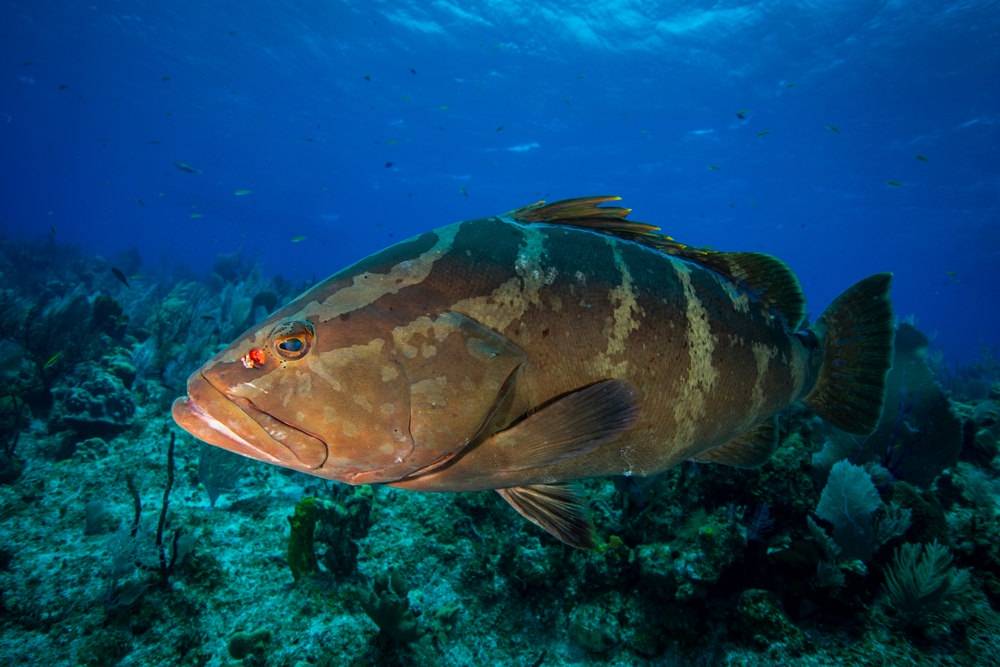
{"x":869,"y":141}
{"x":172,"y":172}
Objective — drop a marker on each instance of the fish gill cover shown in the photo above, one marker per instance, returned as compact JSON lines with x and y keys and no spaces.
{"x":175,"y":175}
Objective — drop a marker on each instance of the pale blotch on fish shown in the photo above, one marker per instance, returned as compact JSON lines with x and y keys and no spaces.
{"x":367,"y":287}
{"x":702,"y":375}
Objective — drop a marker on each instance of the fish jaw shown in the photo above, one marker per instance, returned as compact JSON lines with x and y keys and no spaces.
{"x":210,"y":415}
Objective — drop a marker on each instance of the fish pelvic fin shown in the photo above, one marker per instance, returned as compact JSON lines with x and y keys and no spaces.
{"x":749,"y":450}
{"x":856,"y":337}
{"x":556,"y":509}
{"x":767,"y":277}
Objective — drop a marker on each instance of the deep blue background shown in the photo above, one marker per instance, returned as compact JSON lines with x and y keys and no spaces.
{"x":306,"y":103}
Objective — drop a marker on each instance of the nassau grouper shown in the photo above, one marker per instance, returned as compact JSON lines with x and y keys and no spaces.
{"x":524,"y":351}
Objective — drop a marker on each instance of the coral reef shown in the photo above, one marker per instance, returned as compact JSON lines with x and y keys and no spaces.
{"x":126,"y":542}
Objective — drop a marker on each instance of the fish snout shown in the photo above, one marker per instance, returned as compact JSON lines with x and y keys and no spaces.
{"x":210,"y":415}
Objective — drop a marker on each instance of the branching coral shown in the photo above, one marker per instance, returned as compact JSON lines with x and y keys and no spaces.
{"x":923,"y":591}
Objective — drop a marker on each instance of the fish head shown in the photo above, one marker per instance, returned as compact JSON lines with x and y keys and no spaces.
{"x":369,"y":377}
{"x":307,"y":395}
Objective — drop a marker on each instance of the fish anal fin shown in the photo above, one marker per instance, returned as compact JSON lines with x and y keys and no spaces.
{"x":767,"y":277}
{"x":571,"y":425}
{"x":555,"y":508}
{"x":750,"y":450}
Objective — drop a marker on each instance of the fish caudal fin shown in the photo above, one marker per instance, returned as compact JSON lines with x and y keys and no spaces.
{"x":855,"y":336}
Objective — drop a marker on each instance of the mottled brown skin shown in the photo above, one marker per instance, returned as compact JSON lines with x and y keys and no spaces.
{"x":424,"y":350}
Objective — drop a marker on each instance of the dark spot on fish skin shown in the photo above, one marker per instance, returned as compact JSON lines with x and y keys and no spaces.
{"x":545,"y":333}
{"x":344,"y":317}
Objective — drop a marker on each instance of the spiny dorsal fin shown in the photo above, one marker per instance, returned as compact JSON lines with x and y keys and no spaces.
{"x":555,"y":508}
{"x":749,"y":450}
{"x":768,"y":277}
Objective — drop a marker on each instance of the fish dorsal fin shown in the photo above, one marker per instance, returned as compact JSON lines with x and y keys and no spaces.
{"x":765,"y":275}
{"x":749,"y":450}
{"x":555,"y":508}
{"x":768,"y":277}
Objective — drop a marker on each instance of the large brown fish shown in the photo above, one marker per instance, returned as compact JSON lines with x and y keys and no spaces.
{"x":523,"y":351}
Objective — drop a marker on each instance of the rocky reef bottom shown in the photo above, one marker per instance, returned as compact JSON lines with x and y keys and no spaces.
{"x":124,"y":541}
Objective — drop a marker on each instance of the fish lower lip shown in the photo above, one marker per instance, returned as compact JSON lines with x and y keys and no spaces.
{"x":310,"y":450}
{"x":190,"y":416}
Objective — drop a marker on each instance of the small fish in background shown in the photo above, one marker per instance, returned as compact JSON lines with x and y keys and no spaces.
{"x":713,"y":167}
{"x":52,"y":361}
{"x":165,"y":77}
{"x":952,"y":277}
{"x":298,"y":239}
{"x":367,"y":77}
{"x":120,"y":276}
{"x":763,"y":133}
{"x":832,"y":128}
{"x":464,"y":191}
{"x":208,"y":318}
{"x":742,"y":114}
{"x":197,"y":216}
{"x":499,"y":128}
{"x":141,"y":203}
{"x":63,"y":86}
{"x":186,"y":168}
{"x":920,"y":157}
{"x":242,"y":192}
{"x":790,"y":84}
{"x":389,"y":165}
{"x":442,"y":107}
{"x":413,"y":71}
{"x":893,"y":183}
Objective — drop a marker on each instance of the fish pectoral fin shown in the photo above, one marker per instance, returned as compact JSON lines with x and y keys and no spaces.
{"x":749,"y":450}
{"x":555,"y":508}
{"x":573,"y":424}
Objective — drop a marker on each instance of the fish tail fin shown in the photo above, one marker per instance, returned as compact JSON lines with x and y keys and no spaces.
{"x":856,"y":337}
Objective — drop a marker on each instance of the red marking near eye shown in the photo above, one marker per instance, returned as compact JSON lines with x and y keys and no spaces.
{"x":254,"y":358}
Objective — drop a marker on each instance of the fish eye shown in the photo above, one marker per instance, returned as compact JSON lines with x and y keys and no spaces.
{"x":292,"y":339}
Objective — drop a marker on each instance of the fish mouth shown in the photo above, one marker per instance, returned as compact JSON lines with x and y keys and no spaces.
{"x":234,"y":423}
